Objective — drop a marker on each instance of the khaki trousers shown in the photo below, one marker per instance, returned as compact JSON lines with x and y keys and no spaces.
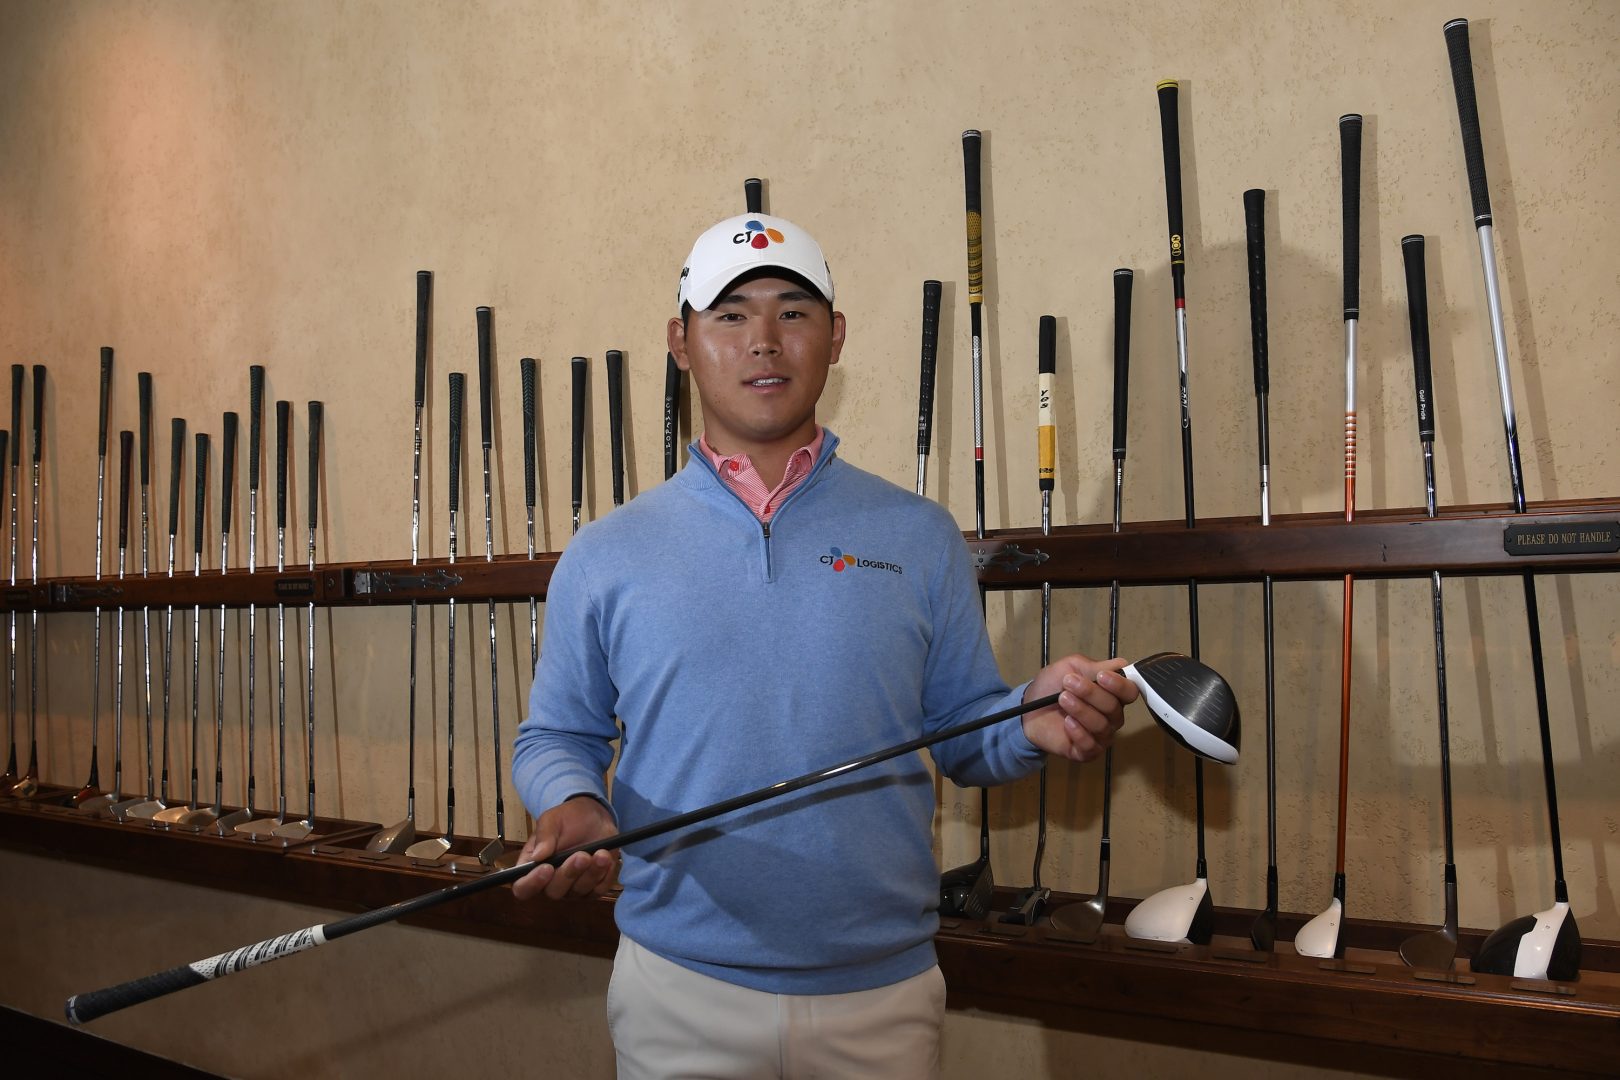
{"x":669,"y":1023}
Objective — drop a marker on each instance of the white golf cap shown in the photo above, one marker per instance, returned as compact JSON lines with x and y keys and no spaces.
{"x":746,"y":243}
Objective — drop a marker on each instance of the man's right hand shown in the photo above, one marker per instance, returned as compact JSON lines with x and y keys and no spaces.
{"x":579,"y":820}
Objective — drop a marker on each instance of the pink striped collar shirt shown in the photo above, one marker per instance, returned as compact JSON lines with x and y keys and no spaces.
{"x":737,"y":473}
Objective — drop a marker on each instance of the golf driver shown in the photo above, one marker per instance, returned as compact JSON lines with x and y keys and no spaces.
{"x":1170,"y":676}
{"x":191,"y":815}
{"x":91,"y":791}
{"x":298,"y":830}
{"x":1083,"y":921}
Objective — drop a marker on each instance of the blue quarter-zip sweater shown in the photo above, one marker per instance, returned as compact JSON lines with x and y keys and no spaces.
{"x":736,"y":655}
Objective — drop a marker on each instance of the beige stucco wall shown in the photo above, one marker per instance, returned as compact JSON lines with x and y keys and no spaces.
{"x":205,"y":186}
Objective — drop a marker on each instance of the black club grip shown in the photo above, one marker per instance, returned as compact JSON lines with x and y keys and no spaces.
{"x":316,"y":411}
{"x":126,"y":451}
{"x":283,"y":433}
{"x":424,"y":305}
{"x":16,"y":413}
{"x":672,"y":412}
{"x":83,"y":1008}
{"x":177,"y":459}
{"x":227,"y":476}
{"x":1462,"y":80}
{"x":1123,"y":280}
{"x":615,"y":375}
{"x":1170,"y":129}
{"x":1254,"y":214}
{"x":39,"y":412}
{"x":526,"y":371}
{"x":1350,"y":171}
{"x":972,"y":142}
{"x":485,"y":390}
{"x":580,"y":368}
{"x":458,"y":391}
{"x":255,"y":423}
{"x":201,"y":467}
{"x":930,"y":360}
{"x":1417,"y":306}
{"x":106,"y":394}
{"x":754,"y":195}
{"x":143,"y":384}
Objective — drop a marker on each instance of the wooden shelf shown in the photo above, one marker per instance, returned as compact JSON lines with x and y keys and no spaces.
{"x":1380,"y":1014}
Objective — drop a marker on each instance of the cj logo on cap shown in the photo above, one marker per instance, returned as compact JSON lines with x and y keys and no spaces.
{"x":756,"y":235}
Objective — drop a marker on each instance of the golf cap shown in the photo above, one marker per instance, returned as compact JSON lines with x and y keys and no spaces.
{"x":749,"y":242}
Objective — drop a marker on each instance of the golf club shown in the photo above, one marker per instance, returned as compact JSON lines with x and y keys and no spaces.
{"x":1195,"y":686}
{"x":1030,"y":903}
{"x":151,"y":804}
{"x":434,"y":848}
{"x":264,"y":827}
{"x":527,"y":372}
{"x":13,"y":778}
{"x":925,"y":382}
{"x":298,"y":830}
{"x":1263,"y":933}
{"x":29,"y":785}
{"x":119,"y":805}
{"x":177,"y":453}
{"x":497,"y":846}
{"x":581,"y":367}
{"x":255,"y":439}
{"x":10,"y":776}
{"x":224,"y":824}
{"x":672,"y":414}
{"x":401,"y":835}
{"x":1546,"y":945}
{"x":92,"y":786}
{"x":1436,"y":949}
{"x":1083,"y":921}
{"x":1322,"y":936}
{"x":754,"y":195}
{"x":191,"y":815}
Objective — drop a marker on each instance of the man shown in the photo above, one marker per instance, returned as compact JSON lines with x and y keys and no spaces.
{"x":769,"y":611}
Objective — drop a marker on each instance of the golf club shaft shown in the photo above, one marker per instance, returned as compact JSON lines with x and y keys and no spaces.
{"x":283,"y":435}
{"x":17,"y":371}
{"x":1046,"y":479}
{"x":314,"y":483}
{"x":1350,"y":174}
{"x":33,"y":560}
{"x":227,"y":486}
{"x":197,"y":537}
{"x":94,"y":782}
{"x":177,"y":452}
{"x":255,"y":439}
{"x":485,"y":392}
{"x":126,"y":441}
{"x":528,"y":372}
{"x":424,"y":315}
{"x":144,"y":384}
{"x":1124,"y":280}
{"x":580,"y":367}
{"x":457,"y":392}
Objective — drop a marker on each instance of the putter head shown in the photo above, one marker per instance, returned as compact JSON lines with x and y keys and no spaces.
{"x":432,"y":849}
{"x":393,"y":840}
{"x":1083,"y":921}
{"x":1546,"y":945}
{"x":1191,"y":702}
{"x":1028,"y":908}
{"x":1321,"y":937}
{"x":1181,"y":913}
{"x":965,"y":891}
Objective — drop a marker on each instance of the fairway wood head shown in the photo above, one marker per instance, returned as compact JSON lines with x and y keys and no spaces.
{"x":1321,"y":937}
{"x":393,"y":840}
{"x":966,"y":890}
{"x":1546,"y":945}
{"x":1191,"y":702}
{"x":1181,"y":913}
{"x":1083,"y":922}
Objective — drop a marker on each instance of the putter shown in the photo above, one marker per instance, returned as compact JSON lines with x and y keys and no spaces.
{"x":434,"y":848}
{"x":1263,"y":932}
{"x":401,"y":835}
{"x":298,"y":830}
{"x":1030,"y":903}
{"x":263,"y":827}
{"x":192,"y":816}
{"x":1202,"y":689}
{"x":1323,"y":936}
{"x":496,"y":846}
{"x":91,"y":792}
{"x":1546,"y":945}
{"x":224,"y":824}
{"x":1084,"y":921}
{"x":13,"y":779}
{"x":150,"y":805}
{"x":28,"y":786}
{"x":1435,"y":949}
{"x":255,"y":439}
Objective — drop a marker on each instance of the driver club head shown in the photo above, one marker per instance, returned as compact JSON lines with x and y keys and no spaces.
{"x":1181,"y":913}
{"x":393,"y":840}
{"x":966,"y":890}
{"x":1546,"y":945}
{"x":1191,"y":701}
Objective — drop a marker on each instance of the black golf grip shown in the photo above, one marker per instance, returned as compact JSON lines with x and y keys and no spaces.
{"x":971,"y":142}
{"x":177,"y":457}
{"x":526,"y":371}
{"x":1350,"y":175}
{"x":106,"y":394}
{"x":458,"y":388}
{"x":1123,"y":279}
{"x":82,"y":1008}
{"x":126,"y":450}
{"x":672,"y":412}
{"x":930,"y":359}
{"x":754,"y":195}
{"x":283,"y":425}
{"x":39,"y":412}
{"x":201,"y":467}
{"x":485,"y":390}
{"x":1170,"y":130}
{"x":579,"y":365}
{"x":1046,"y":434}
{"x":1417,"y":307}
{"x":1254,"y":216}
{"x":316,"y":409}
{"x":424,"y":303}
{"x":615,"y":375}
{"x":255,"y":422}
{"x":143,"y":384}
{"x":1462,"y":80}
{"x":227,"y":476}
{"x":16,"y":414}
{"x":5,"y":438}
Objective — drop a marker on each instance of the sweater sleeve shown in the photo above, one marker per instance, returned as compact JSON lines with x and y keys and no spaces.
{"x":962,"y":682}
{"x":565,"y":744}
